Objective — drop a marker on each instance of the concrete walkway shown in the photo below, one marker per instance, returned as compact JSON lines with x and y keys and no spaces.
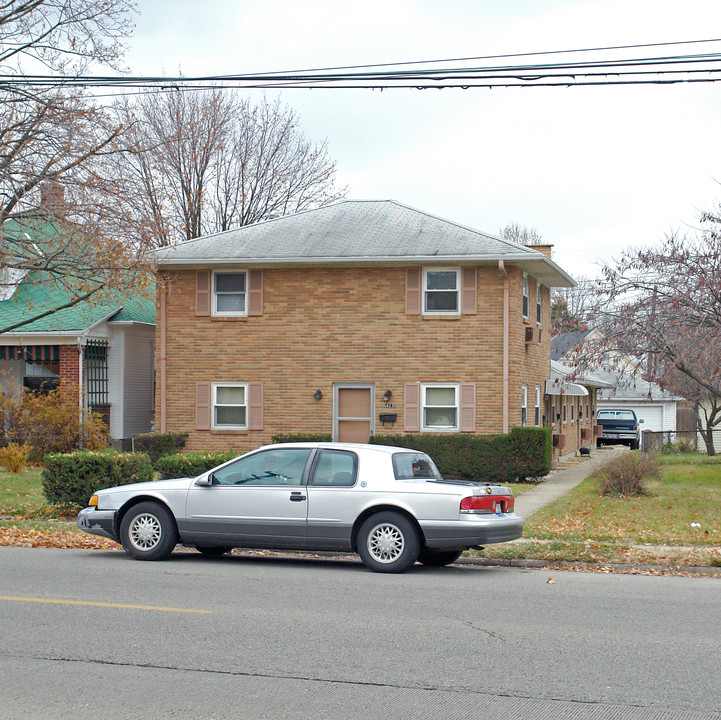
{"x":570,"y":473}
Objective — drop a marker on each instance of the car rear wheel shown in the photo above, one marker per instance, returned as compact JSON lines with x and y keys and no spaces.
{"x":388,"y":542}
{"x":148,"y":531}
{"x":439,"y":558}
{"x":215,"y":551}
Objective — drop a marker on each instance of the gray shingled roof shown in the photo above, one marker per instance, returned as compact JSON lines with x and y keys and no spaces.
{"x":355,"y":231}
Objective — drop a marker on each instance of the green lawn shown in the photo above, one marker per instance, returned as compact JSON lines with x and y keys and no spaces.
{"x":21,"y":493}
{"x":676,"y":521}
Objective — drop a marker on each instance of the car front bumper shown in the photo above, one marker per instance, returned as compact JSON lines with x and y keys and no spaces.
{"x":480,"y":530}
{"x":98,"y":522}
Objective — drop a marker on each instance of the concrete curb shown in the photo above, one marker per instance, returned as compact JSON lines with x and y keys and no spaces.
{"x":592,"y":567}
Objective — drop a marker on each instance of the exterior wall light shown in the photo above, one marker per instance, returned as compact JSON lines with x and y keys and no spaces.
{"x":317,"y":394}
{"x":387,"y":395}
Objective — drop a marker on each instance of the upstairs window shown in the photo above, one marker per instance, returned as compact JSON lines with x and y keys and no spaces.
{"x":230,"y":293}
{"x":526,"y":295}
{"x":441,"y":291}
{"x":538,"y":303}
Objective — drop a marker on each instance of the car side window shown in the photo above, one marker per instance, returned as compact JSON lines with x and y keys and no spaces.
{"x":335,"y":468}
{"x":280,"y":466}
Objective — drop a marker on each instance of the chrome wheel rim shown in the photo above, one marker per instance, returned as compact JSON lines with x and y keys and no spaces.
{"x":385,"y":543}
{"x":145,"y":532}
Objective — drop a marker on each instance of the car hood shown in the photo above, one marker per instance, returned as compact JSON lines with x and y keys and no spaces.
{"x":156,"y":485}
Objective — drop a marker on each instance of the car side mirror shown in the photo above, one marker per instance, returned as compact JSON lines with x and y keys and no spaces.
{"x":205,"y":480}
{"x":641,"y":420}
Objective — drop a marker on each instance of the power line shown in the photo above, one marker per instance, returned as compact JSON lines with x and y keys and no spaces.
{"x":646,"y":70}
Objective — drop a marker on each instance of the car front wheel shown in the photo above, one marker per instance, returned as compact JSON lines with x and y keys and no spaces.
{"x":148,"y":531}
{"x":388,"y":542}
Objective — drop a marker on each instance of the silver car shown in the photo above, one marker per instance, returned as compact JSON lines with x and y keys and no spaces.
{"x":388,"y":504}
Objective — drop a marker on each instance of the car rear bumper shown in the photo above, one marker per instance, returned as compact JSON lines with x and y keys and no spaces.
{"x":98,"y":522}
{"x":481,"y":530}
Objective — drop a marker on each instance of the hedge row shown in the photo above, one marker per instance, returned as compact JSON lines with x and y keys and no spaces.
{"x":192,"y":463}
{"x":524,"y":453}
{"x":73,"y":477}
{"x":301,"y":437}
{"x":157,"y":445}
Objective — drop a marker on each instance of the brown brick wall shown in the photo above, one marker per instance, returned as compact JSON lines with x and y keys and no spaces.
{"x":324,"y":326}
{"x":69,"y":364}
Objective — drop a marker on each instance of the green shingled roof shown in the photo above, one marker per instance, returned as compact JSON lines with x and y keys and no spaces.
{"x":40,"y":291}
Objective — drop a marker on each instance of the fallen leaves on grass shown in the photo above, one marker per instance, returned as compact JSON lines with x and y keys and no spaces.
{"x":21,"y":537}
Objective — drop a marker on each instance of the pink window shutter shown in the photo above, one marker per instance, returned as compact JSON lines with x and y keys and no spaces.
{"x":412,"y":407}
{"x":202,"y":292}
{"x":255,"y":406}
{"x":202,"y":406}
{"x":469,"y":291}
{"x":413,"y":291}
{"x":255,"y":292}
{"x":468,"y":407}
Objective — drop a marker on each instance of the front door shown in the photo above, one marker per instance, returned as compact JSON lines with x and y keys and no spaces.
{"x":352,"y":412}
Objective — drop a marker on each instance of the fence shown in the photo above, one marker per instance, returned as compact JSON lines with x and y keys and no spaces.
{"x":682,"y":440}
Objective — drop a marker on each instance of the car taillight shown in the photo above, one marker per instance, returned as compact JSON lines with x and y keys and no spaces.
{"x":487,"y":504}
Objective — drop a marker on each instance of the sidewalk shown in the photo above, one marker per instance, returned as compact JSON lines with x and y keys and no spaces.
{"x":571,"y":473}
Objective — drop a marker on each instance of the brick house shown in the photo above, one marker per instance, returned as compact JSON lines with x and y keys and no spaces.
{"x":104,"y":346}
{"x":358,"y":318}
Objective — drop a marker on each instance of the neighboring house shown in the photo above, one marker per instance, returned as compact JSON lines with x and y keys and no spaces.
{"x":104,"y":345}
{"x":354,"y":319}
{"x":656,"y":407}
{"x":572,"y":401}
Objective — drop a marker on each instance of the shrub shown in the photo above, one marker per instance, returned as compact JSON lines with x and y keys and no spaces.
{"x":627,"y":474}
{"x":73,"y":477}
{"x":191,"y":464}
{"x":50,"y":423}
{"x":300,"y":437}
{"x":14,"y":457}
{"x":522,"y":454}
{"x":157,"y":445}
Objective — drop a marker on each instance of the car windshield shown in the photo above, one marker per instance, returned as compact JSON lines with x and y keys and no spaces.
{"x":616,"y":414}
{"x":409,"y":465}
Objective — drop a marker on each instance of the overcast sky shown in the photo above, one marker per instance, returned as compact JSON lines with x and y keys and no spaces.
{"x":593,"y":170}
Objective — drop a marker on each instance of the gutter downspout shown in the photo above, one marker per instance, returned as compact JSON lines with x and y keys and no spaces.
{"x":163,"y":359}
{"x":81,"y":390}
{"x":506,"y":341}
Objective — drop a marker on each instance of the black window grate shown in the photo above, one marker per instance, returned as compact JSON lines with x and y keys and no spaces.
{"x":96,"y":369}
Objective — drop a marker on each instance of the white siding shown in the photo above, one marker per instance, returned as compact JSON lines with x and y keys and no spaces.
{"x":656,"y":416}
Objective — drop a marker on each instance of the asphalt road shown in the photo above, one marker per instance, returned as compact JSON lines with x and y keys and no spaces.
{"x":94,"y":634}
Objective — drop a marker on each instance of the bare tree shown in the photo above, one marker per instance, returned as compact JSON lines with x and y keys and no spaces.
{"x":63,"y":35}
{"x":663,"y":307}
{"x":59,"y":210}
{"x":521,"y":234}
{"x":204,"y":162}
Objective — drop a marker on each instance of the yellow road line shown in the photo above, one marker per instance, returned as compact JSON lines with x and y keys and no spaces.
{"x":102,"y":604}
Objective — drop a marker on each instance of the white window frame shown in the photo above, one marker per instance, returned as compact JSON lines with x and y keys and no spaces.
{"x":537,"y":406}
{"x":526,"y":302}
{"x":440,"y":428}
{"x":539,"y":306}
{"x":229,"y":313}
{"x":213,"y":404}
{"x":524,"y":405}
{"x":425,"y":290}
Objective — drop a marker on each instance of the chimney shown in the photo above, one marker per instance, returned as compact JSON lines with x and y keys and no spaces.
{"x":52,"y":197}
{"x":545,"y":249}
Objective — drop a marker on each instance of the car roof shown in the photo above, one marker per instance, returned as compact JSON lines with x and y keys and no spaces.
{"x":365,"y":447}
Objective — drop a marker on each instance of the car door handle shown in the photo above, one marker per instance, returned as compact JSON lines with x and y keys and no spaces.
{"x":297,"y":497}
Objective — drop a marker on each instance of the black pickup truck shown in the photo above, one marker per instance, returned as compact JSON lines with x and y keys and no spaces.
{"x":619,"y":426}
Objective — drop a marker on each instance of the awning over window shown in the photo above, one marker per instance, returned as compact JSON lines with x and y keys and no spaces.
{"x":30,"y":353}
{"x":561,"y":387}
